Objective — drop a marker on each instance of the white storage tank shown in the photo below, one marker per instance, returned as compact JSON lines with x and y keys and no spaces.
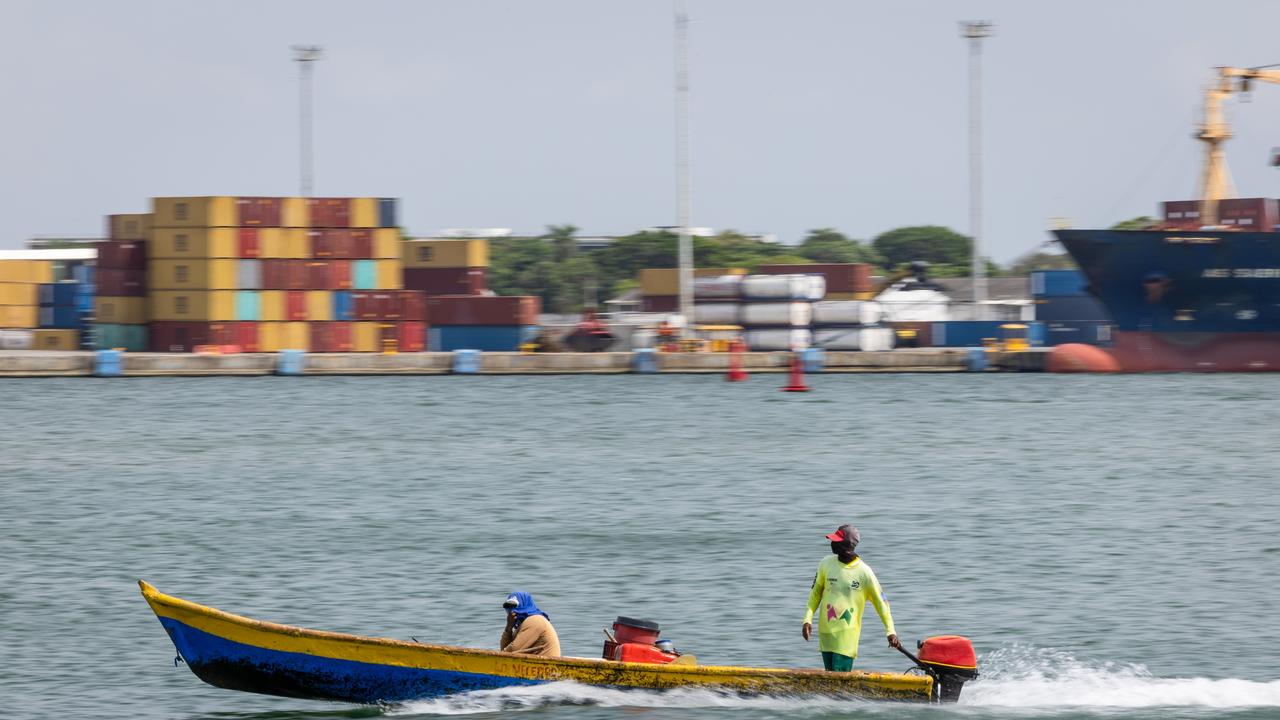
{"x":778,"y":339}
{"x":868,"y":339}
{"x":716,"y":313}
{"x":815,"y":287}
{"x":847,"y":312}
{"x":775,"y":287}
{"x":789,"y":314}
{"x":724,"y":286}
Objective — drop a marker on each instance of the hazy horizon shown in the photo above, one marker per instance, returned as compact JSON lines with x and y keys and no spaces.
{"x":806,"y":114}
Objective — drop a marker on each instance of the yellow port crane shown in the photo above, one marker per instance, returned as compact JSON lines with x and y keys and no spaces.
{"x":1215,"y":178}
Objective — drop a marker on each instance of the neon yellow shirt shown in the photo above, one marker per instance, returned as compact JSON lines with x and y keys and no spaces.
{"x":841,"y":592}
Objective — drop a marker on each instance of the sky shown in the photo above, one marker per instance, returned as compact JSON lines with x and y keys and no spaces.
{"x":525,"y":113}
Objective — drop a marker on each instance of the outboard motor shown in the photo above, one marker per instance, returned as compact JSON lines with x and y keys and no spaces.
{"x":951,"y":661}
{"x":635,"y":640}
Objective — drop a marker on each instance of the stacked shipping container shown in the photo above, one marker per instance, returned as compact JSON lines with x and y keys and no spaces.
{"x":1069,"y":312}
{"x":660,"y":287}
{"x":446,"y":267}
{"x":481,"y":322}
{"x":120,"y":313}
{"x":267,"y":273}
{"x":20,"y":282}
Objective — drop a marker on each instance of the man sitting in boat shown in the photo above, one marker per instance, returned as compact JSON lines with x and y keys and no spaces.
{"x":528,"y":629}
{"x":841,"y":589}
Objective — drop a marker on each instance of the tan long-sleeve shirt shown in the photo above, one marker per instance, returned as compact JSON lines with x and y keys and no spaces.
{"x":535,"y":637}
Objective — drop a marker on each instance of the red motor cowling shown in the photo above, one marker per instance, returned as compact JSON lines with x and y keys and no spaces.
{"x":952,"y":662}
{"x":639,"y":653}
{"x":629,"y":631}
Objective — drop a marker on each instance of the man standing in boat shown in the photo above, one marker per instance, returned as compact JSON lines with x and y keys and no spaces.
{"x":841,"y":590}
{"x":528,"y":629}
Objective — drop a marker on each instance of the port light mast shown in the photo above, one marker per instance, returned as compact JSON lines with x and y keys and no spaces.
{"x":305,"y":56}
{"x":683,"y":184}
{"x":975,"y":32}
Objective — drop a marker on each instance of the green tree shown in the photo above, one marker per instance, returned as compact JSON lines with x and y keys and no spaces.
{"x":563,"y":240}
{"x":827,"y":245}
{"x":932,"y":243}
{"x":1141,"y":222}
{"x":1040,"y":260}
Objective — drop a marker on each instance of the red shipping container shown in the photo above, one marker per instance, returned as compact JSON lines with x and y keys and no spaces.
{"x":340,"y":274}
{"x":660,"y":303}
{"x":260,"y":211}
{"x":328,"y":212}
{"x":121,"y":282}
{"x":484,"y":310}
{"x":413,"y":306}
{"x":361,"y":244}
{"x":330,"y":243}
{"x":363,"y":306}
{"x":446,"y":281}
{"x":122,"y":254}
{"x":244,"y":335}
{"x":331,"y":337}
{"x":166,"y":336}
{"x":284,"y":274}
{"x":328,"y":274}
{"x":295,"y":305}
{"x":409,"y":336}
{"x":249,"y":246}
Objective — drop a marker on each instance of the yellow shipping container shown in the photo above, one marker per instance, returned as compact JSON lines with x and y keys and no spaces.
{"x":666,"y":281}
{"x":296,"y":244}
{"x":849,"y":296}
{"x":26,"y":271}
{"x":56,"y":340}
{"x":134,"y":226}
{"x":194,"y":211}
{"x":390,"y":274}
{"x":120,"y":310}
{"x":366,"y":337}
{"x":363,"y":212}
{"x":272,"y":305}
{"x":293,"y":212}
{"x":192,"y":274}
{"x":386,"y":243}
{"x":295,"y":336}
{"x":194,"y":243}
{"x":269,"y":336}
{"x":194,"y":305}
{"x":12,"y":293}
{"x":319,"y":305}
{"x":271,"y":243}
{"x":19,"y":316}
{"x":445,"y":253}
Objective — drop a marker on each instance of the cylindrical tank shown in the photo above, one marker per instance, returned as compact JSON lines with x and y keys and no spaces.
{"x":787,"y":314}
{"x":775,"y":287}
{"x":847,"y":312}
{"x":778,"y":339}
{"x":716,"y":313}
{"x":868,"y":339}
{"x":724,"y":286}
{"x":815,"y":287}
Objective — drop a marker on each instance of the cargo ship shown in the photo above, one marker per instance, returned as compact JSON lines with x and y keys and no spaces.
{"x":1198,"y":290}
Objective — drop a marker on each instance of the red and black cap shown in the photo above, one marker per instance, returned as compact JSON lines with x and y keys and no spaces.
{"x":845,"y":533}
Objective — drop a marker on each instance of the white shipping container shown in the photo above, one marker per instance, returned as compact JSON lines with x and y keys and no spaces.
{"x":17,"y":339}
{"x":793,"y":314}
{"x":847,"y":312}
{"x":724,"y":286}
{"x":716,"y":313}
{"x":778,"y":339}
{"x":869,"y":339}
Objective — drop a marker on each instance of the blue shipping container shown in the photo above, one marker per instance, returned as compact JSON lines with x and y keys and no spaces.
{"x":248,"y":305}
{"x":82,"y":273}
{"x":387,"y":212}
{"x":61,"y":293}
{"x":344,"y":307}
{"x":84,"y":298}
{"x":1070,"y":309}
{"x":62,"y":317}
{"x":364,"y":275}
{"x":489,"y":338}
{"x":1057,"y":283}
{"x":1089,"y":333}
{"x":971,"y":333}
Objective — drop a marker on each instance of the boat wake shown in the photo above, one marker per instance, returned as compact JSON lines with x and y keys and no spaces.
{"x":1017,"y":676}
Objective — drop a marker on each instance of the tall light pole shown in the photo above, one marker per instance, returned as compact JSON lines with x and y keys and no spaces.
{"x":975,"y":32}
{"x":683,"y":185}
{"x":305,"y":55}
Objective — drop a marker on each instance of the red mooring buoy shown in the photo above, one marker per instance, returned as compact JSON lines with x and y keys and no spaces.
{"x":796,"y":381}
{"x":736,"y":372}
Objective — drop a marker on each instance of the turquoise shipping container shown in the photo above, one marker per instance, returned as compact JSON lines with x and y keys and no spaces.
{"x":344,"y":307}
{"x":109,"y":336}
{"x":364,"y":275}
{"x":248,"y":305}
{"x":488,"y":338}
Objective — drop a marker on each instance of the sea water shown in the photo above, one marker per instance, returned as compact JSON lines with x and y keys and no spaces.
{"x":1109,"y":543}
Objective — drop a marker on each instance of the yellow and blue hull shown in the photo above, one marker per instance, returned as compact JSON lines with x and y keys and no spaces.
{"x":239,"y":653}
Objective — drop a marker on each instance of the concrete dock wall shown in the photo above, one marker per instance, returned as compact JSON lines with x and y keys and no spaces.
{"x":110,"y":363}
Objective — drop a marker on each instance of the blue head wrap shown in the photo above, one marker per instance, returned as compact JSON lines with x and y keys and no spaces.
{"x":524,"y":606}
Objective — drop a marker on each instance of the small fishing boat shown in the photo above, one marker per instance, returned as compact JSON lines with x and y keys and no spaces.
{"x":239,"y":653}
